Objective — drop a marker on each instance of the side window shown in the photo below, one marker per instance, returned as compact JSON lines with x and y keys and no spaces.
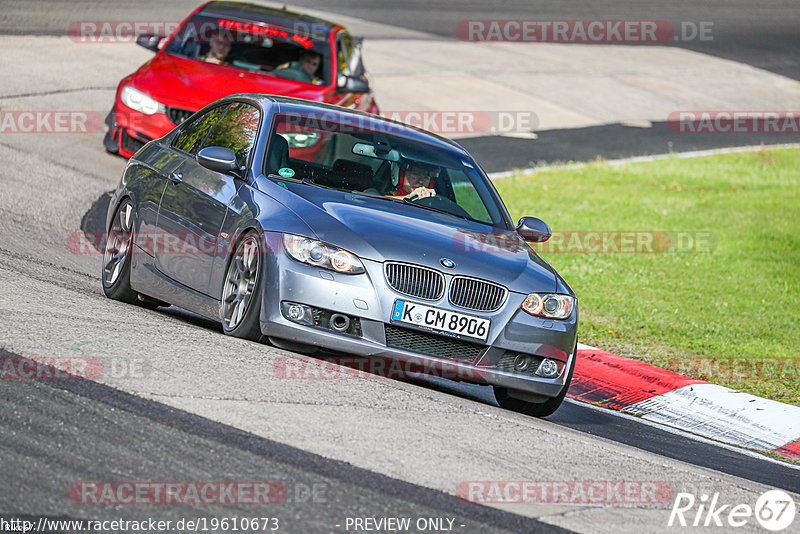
{"x":194,"y":132}
{"x":467,"y":197}
{"x":236,"y":130}
{"x":344,"y":54}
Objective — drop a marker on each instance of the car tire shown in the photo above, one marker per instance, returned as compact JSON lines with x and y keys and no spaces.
{"x":240,"y":309}
{"x":116,"y":274}
{"x":535,"y":409}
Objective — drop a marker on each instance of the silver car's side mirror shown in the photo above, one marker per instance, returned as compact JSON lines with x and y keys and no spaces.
{"x":218,"y":159}
{"x":533,"y":229}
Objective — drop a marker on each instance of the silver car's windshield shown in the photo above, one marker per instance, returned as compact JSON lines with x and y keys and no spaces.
{"x":371,"y":156}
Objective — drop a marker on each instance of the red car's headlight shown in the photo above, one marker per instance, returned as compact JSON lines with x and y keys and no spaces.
{"x":135,"y":99}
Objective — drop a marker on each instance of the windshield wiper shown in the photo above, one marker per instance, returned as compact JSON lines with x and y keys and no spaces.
{"x":376,"y":195}
{"x":304,"y":180}
{"x":402,"y":200}
{"x":405,"y":200}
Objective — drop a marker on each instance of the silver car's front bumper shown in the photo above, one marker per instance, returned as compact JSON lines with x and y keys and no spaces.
{"x":369,"y":298}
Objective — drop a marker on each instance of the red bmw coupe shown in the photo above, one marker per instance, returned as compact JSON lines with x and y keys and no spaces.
{"x":225,"y":48}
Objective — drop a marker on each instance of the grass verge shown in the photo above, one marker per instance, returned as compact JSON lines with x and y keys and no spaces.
{"x":703,"y":273}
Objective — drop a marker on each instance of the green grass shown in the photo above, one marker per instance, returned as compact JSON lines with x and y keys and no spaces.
{"x":730,"y":315}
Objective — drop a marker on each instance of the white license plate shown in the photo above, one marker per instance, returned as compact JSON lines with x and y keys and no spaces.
{"x":441,"y":321}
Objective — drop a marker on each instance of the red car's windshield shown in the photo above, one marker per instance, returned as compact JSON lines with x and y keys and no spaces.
{"x":252,"y":46}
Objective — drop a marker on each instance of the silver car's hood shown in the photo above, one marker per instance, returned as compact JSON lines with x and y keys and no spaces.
{"x":381,"y":230}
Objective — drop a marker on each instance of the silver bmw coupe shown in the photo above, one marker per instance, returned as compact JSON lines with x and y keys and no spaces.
{"x":317,"y":226}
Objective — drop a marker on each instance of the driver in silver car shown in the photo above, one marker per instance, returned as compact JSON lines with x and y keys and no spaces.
{"x":416,"y":181}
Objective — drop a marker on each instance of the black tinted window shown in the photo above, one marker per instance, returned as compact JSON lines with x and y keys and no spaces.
{"x":360,"y":153}
{"x":192,"y":135}
{"x":263,"y":47}
{"x":236,"y":130}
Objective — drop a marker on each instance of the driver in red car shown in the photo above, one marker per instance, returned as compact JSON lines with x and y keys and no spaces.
{"x":303,"y":70}
{"x":218,"y":51}
{"x":416,"y":181}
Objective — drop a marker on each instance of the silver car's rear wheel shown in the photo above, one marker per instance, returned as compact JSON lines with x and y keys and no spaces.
{"x":117,"y":255}
{"x":241,"y":290}
{"x":118,"y":244}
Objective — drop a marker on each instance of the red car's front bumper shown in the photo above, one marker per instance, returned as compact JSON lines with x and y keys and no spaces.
{"x":129,"y":130}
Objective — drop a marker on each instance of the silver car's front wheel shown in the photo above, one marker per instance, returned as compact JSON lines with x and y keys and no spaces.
{"x":507,"y":400}
{"x":241,"y":290}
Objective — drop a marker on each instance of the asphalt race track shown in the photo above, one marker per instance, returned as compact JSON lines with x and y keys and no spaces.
{"x":151,"y":441}
{"x":763,"y":36}
{"x":179,"y":402}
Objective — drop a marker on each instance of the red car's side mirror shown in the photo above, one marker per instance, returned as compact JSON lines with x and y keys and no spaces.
{"x":148,"y":41}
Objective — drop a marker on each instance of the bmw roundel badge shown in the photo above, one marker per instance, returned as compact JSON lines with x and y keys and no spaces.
{"x":447,"y":263}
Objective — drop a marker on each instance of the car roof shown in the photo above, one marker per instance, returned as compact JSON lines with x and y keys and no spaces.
{"x":287,"y":104}
{"x":258,"y":13}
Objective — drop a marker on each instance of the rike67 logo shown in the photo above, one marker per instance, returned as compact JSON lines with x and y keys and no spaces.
{"x":774,"y":510}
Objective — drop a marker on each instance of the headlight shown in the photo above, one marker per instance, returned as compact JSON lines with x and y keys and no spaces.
{"x":135,"y":99}
{"x":321,"y":254}
{"x":550,"y":306}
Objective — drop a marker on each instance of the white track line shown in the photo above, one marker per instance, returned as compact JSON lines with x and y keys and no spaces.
{"x":721,"y":414}
{"x":639,"y":159}
{"x":687,"y":434}
{"x":724,"y":414}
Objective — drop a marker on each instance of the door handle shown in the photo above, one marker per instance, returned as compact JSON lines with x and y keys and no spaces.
{"x":176,"y":177}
